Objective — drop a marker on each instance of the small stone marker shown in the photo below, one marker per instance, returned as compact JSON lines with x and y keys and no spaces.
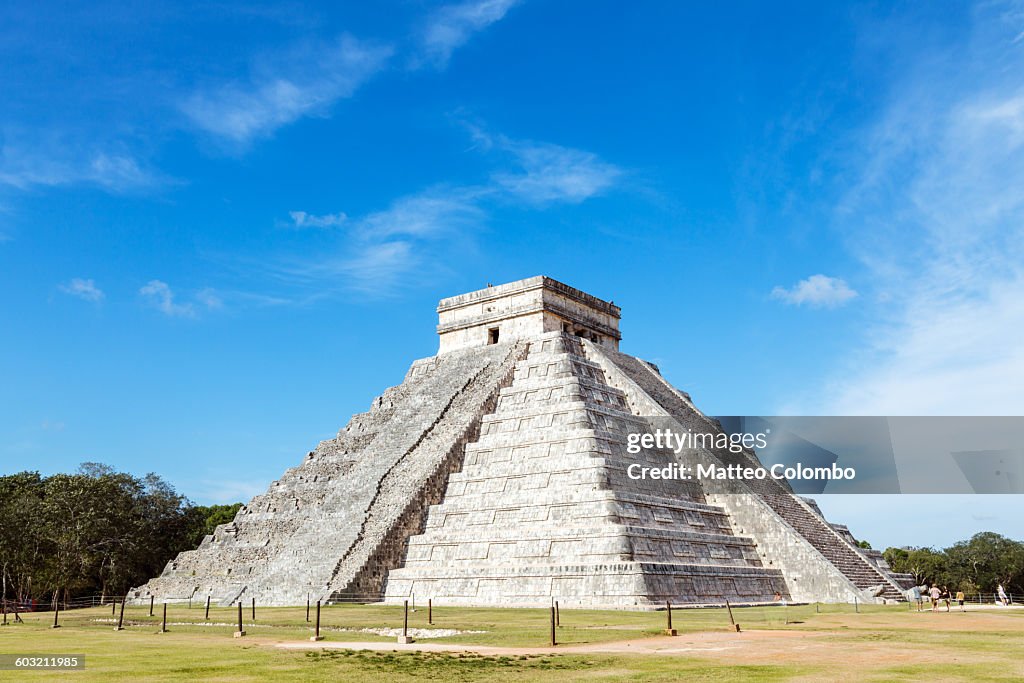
{"x":239,"y":633}
{"x":120,"y":617}
{"x":669,"y":631}
{"x":317,"y":635}
{"x":404,"y":639}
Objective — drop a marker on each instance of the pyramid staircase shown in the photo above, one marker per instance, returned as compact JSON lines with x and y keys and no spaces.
{"x":860,"y":571}
{"x":543,"y":507}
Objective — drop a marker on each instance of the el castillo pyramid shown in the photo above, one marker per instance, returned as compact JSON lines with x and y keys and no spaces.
{"x":495,"y":474}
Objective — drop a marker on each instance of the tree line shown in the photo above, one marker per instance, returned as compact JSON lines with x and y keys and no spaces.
{"x":974,"y":566}
{"x":101,"y":532}
{"x":94,"y":532}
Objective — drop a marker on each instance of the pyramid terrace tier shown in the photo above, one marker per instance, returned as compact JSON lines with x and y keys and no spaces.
{"x":622,"y":585}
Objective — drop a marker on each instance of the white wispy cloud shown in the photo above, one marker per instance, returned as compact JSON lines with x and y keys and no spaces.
{"x":301,"y":219}
{"x":938,"y":207}
{"x":451,"y":26}
{"x":413,"y":238}
{"x":210,"y":298}
{"x":817,"y":291}
{"x":305,"y":83}
{"x":551,"y":173}
{"x":30,"y":160}
{"x":83,"y":289}
{"x":160,"y":296}
{"x":432,"y":213}
{"x":375,"y":267}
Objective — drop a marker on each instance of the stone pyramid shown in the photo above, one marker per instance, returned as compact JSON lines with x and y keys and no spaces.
{"x":495,"y":474}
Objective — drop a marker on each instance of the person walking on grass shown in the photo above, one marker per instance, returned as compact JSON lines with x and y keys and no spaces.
{"x":915,"y":595}
{"x":946,"y":597}
{"x":960,"y":600}
{"x":934,"y":594}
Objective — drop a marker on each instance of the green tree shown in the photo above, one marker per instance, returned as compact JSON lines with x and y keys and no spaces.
{"x":22,"y":543}
{"x":925,"y":564}
{"x":94,"y":531}
{"x":985,"y":561}
{"x":203,"y":519}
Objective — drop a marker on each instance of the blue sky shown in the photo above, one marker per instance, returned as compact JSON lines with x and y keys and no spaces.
{"x":224,"y":228}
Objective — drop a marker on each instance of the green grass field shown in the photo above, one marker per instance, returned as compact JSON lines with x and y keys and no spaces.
{"x":791,"y":643}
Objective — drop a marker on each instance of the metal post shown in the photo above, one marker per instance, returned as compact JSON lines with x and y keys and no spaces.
{"x":430,"y":611}
{"x":239,"y":633}
{"x":729,"y":607}
{"x":668,"y":606}
{"x":558,"y":617}
{"x":856,"y":605}
{"x":120,"y":617}
{"x":56,"y":613}
{"x":307,"y":608}
{"x":553,"y":641}
{"x":151,"y":605}
{"x":206,"y":615}
{"x":113,"y":607}
{"x":254,"y":608}
{"x":318,"y":620}
{"x":405,"y":624}
{"x":163,"y":625}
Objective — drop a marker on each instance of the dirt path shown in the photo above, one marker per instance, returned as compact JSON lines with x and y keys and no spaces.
{"x":711,"y":642}
{"x":846,"y":648}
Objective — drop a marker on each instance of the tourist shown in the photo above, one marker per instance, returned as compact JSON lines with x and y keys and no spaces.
{"x":915,"y":596}
{"x":946,"y":596}
{"x":960,"y":600}
{"x":934,"y":594}
{"x":1002,"y":596}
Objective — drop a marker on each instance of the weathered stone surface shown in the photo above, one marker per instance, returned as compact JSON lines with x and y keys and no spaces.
{"x":543,"y":508}
{"x":496,"y":474}
{"x":338,"y":521}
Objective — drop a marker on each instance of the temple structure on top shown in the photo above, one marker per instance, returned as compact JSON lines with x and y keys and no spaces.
{"x":524,"y":309}
{"x":496,"y":474}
